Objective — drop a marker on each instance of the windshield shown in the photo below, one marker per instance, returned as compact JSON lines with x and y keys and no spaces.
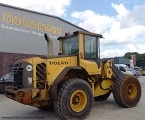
{"x":126,"y":67}
{"x":8,"y":77}
{"x":70,"y":45}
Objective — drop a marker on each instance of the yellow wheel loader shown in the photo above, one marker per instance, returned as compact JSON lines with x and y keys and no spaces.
{"x":73,"y":79}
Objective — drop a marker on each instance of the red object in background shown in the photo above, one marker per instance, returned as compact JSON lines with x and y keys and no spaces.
{"x":112,"y":59}
{"x":133,"y":57}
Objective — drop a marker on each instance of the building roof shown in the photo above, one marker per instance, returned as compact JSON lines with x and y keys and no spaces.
{"x":32,"y":11}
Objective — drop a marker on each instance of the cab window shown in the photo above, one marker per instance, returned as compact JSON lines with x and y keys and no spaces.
{"x":70,"y":45}
{"x":90,"y":47}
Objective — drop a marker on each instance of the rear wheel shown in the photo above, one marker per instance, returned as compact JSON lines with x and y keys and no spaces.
{"x":2,"y":92}
{"x":2,"y":88}
{"x":74,"y":99}
{"x":102,"y":97}
{"x":127,"y":92}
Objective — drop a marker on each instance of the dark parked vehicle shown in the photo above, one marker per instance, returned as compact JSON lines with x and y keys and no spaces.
{"x":6,"y":80}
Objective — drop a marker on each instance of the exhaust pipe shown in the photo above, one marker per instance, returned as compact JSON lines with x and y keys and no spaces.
{"x":49,"y":45}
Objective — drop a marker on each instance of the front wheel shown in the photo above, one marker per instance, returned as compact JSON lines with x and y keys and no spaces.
{"x":127,"y":91}
{"x":74,"y":99}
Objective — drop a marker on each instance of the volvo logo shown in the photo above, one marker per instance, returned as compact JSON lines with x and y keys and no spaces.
{"x":58,"y":62}
{"x":29,"y":67}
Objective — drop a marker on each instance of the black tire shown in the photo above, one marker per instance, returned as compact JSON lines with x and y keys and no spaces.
{"x":2,"y":88}
{"x":71,"y":93}
{"x":102,"y":97}
{"x":2,"y":91}
{"x":127,"y":91}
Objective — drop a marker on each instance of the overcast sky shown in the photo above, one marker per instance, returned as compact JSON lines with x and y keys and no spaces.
{"x":122,"y":22}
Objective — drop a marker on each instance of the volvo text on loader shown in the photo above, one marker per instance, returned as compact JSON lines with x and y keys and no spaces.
{"x":71,"y":81}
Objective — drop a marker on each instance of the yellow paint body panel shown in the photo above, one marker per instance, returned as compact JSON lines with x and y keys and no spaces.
{"x":54,"y":75}
{"x":90,"y":66}
{"x":106,"y":69}
{"x":56,"y":65}
{"x":34,"y":60}
{"x":102,"y":88}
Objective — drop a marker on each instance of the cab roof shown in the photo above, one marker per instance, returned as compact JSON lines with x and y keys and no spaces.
{"x":68,"y":35}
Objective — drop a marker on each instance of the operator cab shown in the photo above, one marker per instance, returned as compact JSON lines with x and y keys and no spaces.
{"x":84,"y":44}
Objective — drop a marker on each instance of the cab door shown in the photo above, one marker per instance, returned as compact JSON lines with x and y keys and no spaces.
{"x":91,"y":54}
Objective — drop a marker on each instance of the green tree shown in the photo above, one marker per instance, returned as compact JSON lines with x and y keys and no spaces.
{"x":140,"y":58}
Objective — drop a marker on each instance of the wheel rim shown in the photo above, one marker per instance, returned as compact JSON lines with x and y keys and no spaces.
{"x":78,"y":100}
{"x":131,"y":91}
